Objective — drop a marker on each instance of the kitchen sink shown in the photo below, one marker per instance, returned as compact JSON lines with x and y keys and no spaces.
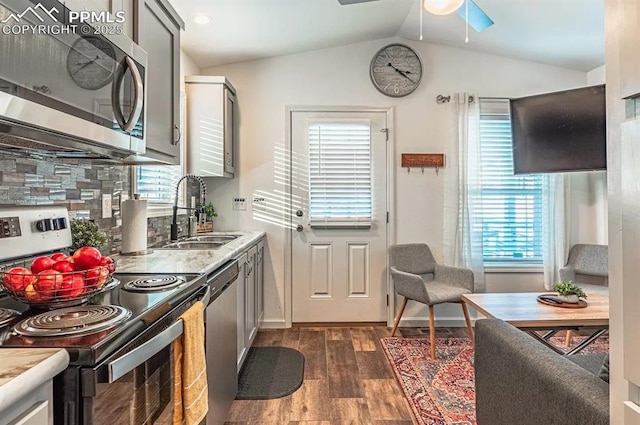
{"x":212,"y":238}
{"x":194,"y":245}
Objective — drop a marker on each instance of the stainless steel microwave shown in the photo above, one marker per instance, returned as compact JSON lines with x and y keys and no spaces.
{"x":69,"y":88}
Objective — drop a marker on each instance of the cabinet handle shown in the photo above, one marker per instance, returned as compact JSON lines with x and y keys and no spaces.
{"x":176,"y":128}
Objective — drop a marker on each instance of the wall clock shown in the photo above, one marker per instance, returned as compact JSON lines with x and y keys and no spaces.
{"x":396,"y":70}
{"x":91,"y":62}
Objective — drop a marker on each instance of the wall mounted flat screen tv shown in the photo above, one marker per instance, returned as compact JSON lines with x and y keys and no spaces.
{"x":560,"y":132}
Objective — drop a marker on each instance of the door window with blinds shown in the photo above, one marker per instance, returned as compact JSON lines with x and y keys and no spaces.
{"x":511,"y":206}
{"x":340,"y":174}
{"x":157,"y":184}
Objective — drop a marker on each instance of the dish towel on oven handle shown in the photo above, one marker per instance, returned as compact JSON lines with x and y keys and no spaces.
{"x":190,"y":372}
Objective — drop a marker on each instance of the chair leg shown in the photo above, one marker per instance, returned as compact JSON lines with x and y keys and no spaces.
{"x":397,"y":322}
{"x":432,"y":333}
{"x":466,"y":319}
{"x":567,"y":341}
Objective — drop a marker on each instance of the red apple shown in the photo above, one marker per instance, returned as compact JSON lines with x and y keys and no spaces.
{"x":108,"y":263}
{"x":48,"y":283}
{"x":63,"y":266}
{"x":32,"y":295}
{"x":17,"y":279}
{"x":58,"y":256}
{"x":41,"y":263}
{"x":86,"y":258}
{"x":96,"y":278}
{"x":72,"y":286}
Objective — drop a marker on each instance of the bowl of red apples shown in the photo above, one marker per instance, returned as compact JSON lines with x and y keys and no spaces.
{"x":58,"y":280}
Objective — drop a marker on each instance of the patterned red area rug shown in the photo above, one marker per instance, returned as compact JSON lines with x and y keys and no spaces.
{"x":442,"y":392}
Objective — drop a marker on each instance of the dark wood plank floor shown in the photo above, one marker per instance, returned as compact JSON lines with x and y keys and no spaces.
{"x":347,"y":379}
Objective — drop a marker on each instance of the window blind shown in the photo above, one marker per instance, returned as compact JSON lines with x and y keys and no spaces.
{"x":511,"y":206}
{"x":340,"y":174}
{"x":157,"y":184}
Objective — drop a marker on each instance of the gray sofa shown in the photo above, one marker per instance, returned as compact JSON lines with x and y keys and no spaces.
{"x":519,"y":381}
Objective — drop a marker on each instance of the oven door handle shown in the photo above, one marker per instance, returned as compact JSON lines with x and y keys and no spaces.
{"x":125,"y":364}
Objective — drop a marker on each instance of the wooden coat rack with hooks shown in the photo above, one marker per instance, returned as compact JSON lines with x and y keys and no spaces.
{"x":423,"y":160}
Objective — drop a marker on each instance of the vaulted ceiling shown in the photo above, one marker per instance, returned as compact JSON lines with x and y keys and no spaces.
{"x":567,"y":33}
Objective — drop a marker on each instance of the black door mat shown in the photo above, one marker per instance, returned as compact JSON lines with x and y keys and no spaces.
{"x":270,"y":372}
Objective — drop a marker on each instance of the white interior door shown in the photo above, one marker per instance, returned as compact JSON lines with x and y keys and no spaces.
{"x":339,"y":196}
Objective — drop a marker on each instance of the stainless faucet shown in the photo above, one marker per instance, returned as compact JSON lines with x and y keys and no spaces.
{"x":203,"y":193}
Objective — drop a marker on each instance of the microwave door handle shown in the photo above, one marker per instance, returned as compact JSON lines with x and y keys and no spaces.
{"x":115,"y":94}
{"x":138,"y":100}
{"x":134,"y":358}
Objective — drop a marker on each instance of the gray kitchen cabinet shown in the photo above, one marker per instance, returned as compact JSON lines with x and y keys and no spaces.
{"x":259,"y":283}
{"x":212,"y":126}
{"x":250,"y":323}
{"x":240,"y":341}
{"x":630,"y":64}
{"x":127,"y":7}
{"x":250,"y":298}
{"x":38,"y":414}
{"x":157,"y":30}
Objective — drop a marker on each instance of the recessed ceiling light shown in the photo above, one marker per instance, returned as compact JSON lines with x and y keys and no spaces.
{"x":202,"y":19}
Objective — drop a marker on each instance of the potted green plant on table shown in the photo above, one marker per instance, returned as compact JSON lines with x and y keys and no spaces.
{"x":569,"y":292}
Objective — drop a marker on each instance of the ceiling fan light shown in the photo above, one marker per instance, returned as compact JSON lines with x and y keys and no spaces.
{"x":442,"y":7}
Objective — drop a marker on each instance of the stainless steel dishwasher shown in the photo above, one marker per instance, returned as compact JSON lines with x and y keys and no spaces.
{"x":220,"y":342}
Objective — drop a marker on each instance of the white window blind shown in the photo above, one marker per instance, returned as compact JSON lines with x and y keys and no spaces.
{"x":340,"y":174}
{"x":157,"y":184}
{"x":511,"y":205}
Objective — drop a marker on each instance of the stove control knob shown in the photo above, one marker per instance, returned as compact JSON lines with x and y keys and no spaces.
{"x":59,"y":223}
{"x":44,"y":225}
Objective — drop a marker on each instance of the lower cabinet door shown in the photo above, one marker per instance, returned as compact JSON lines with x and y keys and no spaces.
{"x":38,"y":414}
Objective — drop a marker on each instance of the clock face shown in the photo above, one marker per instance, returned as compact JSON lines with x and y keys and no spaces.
{"x":91,"y":62}
{"x":396,"y":70}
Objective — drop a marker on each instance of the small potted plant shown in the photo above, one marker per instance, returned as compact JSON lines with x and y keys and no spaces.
{"x":209,"y":214}
{"x":569,"y":292}
{"x":87,"y":233}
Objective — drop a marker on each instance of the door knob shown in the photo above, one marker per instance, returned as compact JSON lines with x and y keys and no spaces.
{"x":299,"y":213}
{"x":299,"y":227}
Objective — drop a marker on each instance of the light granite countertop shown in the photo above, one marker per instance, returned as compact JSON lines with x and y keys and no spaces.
{"x":22,"y":370}
{"x":188,"y":260}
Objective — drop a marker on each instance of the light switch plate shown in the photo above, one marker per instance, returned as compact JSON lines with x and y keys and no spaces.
{"x":259,"y":203}
{"x":239,"y":204}
{"x":106,"y":205}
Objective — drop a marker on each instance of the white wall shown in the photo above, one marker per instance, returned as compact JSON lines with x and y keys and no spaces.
{"x":340,"y":76}
{"x":597,"y":75}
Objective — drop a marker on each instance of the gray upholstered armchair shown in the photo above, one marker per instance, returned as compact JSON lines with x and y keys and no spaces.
{"x":587,"y":261}
{"x":588,"y":267}
{"x":416,"y":276}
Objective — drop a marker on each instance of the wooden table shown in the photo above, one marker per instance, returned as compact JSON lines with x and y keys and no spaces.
{"x":523,"y":311}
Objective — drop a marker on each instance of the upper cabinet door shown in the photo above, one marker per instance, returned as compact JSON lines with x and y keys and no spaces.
{"x":630,"y":62}
{"x":157,"y":30}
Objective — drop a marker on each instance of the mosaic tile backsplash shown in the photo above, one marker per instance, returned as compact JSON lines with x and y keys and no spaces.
{"x":78,"y":185}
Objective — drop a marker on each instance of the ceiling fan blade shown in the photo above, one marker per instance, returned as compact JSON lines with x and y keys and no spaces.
{"x":478,"y":20}
{"x":345,"y":2}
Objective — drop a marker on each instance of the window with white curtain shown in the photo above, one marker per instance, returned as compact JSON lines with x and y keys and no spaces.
{"x":511,"y":206}
{"x":340,"y":174}
{"x":157,"y":184}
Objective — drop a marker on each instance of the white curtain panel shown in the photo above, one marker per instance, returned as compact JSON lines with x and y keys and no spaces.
{"x":555,"y":228}
{"x":462,"y":231}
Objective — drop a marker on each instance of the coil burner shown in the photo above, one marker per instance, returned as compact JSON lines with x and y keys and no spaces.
{"x":73,"y":320}
{"x":153,"y":283}
{"x":7,"y":315}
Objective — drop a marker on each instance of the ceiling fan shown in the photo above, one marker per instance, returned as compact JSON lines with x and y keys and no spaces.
{"x":468,"y":10}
